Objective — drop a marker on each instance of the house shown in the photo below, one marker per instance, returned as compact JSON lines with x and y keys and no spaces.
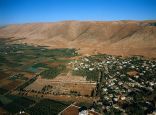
{"x":76,"y":110}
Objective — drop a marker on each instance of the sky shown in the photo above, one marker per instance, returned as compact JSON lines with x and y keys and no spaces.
{"x":29,"y":11}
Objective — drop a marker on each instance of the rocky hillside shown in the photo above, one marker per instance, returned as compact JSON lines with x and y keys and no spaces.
{"x":90,"y":37}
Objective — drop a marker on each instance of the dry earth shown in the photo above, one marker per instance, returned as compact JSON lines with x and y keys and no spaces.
{"x":90,"y":37}
{"x":64,"y":84}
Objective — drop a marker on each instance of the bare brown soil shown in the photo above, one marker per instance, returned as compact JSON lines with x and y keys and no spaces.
{"x":11,"y":85}
{"x":4,"y":82}
{"x":90,"y":37}
{"x":3,"y":112}
{"x":67,"y":98}
{"x":133,"y":73}
{"x":71,"y":110}
{"x":61,"y":89}
{"x":3,"y":75}
{"x":64,"y":84}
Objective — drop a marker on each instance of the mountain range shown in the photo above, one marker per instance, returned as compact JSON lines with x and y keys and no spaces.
{"x":89,"y":37}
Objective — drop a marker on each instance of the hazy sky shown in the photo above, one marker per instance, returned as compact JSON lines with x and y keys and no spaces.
{"x":27,"y":11}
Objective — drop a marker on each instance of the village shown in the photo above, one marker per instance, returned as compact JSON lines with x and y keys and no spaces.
{"x":107,"y":84}
{"x":125,"y":84}
{"x":111,"y":83}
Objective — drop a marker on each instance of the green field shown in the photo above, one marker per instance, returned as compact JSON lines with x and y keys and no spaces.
{"x":33,"y":106}
{"x":22,"y":61}
{"x":17,"y":61}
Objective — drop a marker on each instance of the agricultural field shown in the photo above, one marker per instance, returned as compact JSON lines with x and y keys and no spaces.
{"x":62,"y":85}
{"x":32,"y":106}
{"x":21,"y":62}
{"x":20,"y":65}
{"x":32,"y":77}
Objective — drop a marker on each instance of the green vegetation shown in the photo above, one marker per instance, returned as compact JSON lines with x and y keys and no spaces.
{"x":53,"y":72}
{"x":4,"y":100}
{"x":33,"y":106}
{"x":18,"y":76}
{"x":153,"y":24}
{"x":119,"y":91}
{"x":47,"y":107}
{"x":124,"y":85}
{"x":75,"y":93}
{"x":19,"y":55}
{"x":21,"y":87}
{"x":16,"y":103}
{"x":22,"y":60}
{"x":39,"y":65}
{"x":3,"y":59}
{"x":2,"y":91}
{"x":59,"y":60}
{"x":91,"y":75}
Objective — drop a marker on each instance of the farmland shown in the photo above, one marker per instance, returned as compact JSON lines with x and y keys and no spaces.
{"x":21,"y":62}
{"x":33,"y":106}
{"x":20,"y":65}
{"x":38,"y":80}
{"x":32,"y":77}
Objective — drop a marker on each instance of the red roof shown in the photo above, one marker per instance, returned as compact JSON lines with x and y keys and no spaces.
{"x":74,"y":110}
{"x":71,"y":110}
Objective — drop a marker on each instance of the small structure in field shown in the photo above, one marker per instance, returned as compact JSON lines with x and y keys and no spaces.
{"x":76,"y":110}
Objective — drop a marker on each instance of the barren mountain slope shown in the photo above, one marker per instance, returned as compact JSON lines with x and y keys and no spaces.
{"x":116,"y":37}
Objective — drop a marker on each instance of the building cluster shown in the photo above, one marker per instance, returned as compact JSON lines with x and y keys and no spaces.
{"x":125,"y":85}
